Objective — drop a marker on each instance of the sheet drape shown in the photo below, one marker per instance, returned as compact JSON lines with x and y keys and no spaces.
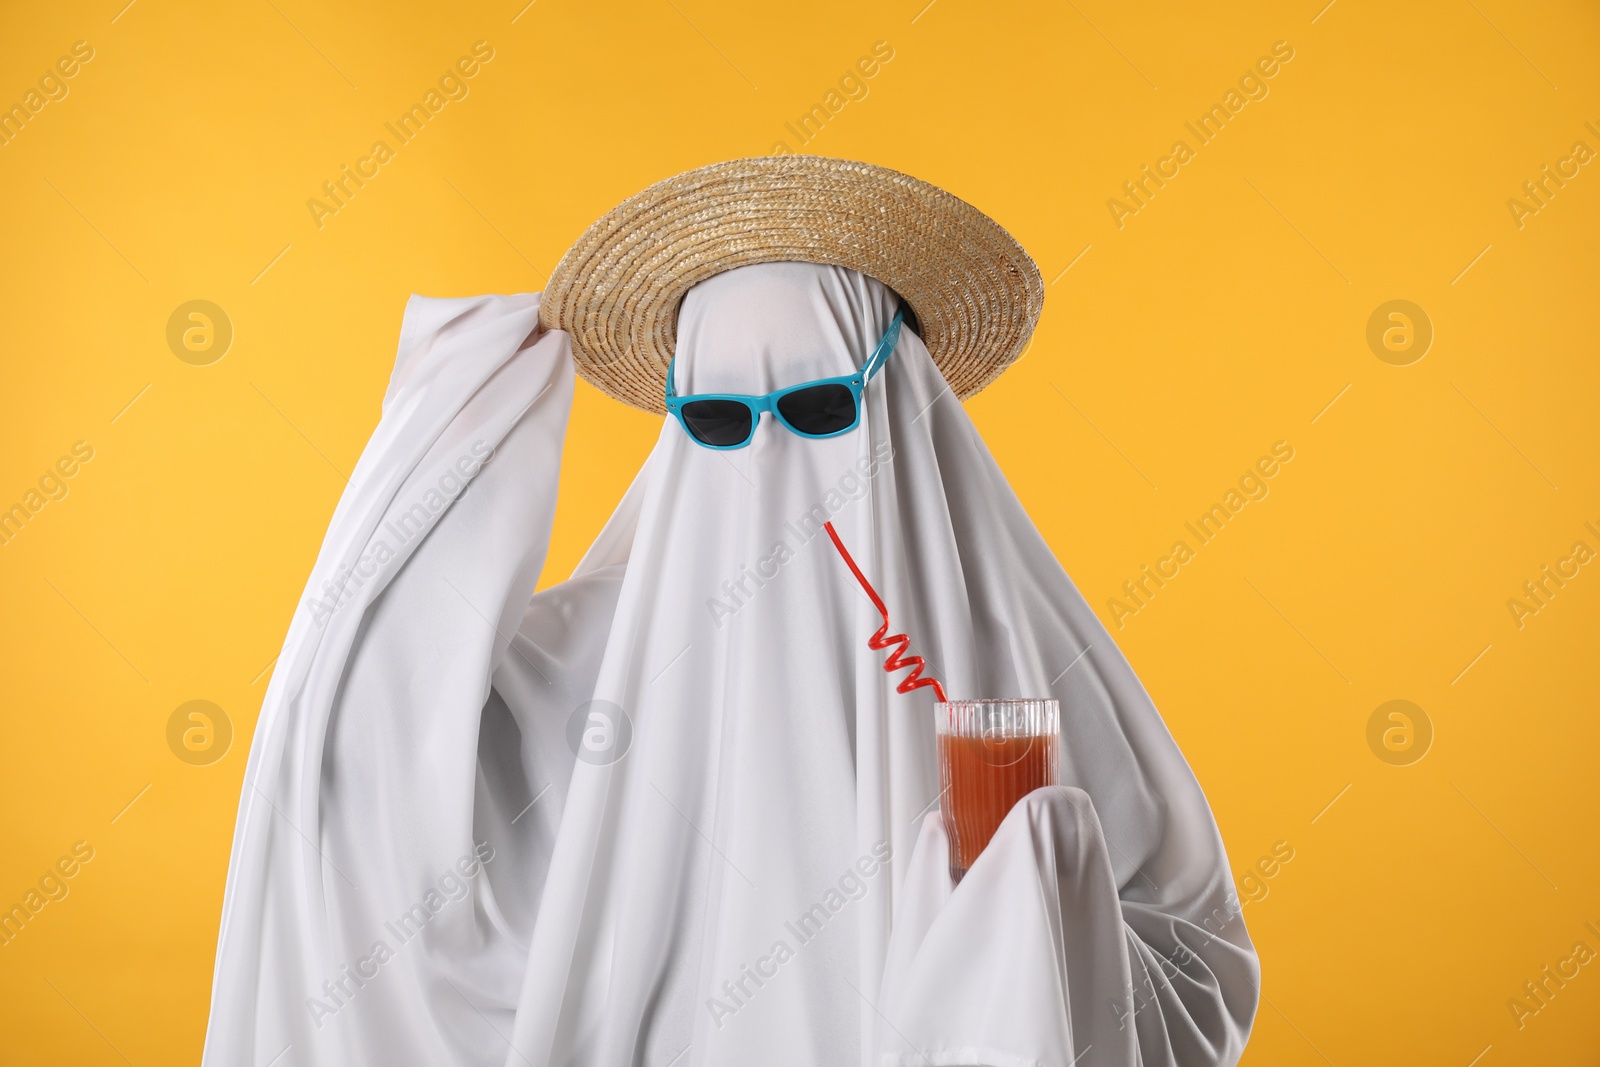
{"x":672,"y":810}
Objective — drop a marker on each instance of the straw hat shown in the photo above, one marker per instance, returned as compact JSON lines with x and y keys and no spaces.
{"x":975,"y":293}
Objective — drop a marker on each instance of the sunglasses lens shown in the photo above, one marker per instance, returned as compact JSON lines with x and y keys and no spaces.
{"x":721,"y":423}
{"x":820,"y":410}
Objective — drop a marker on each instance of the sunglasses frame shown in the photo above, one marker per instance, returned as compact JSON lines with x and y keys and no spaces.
{"x":768,"y":402}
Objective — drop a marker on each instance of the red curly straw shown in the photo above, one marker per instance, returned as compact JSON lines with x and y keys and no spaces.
{"x":883,"y":639}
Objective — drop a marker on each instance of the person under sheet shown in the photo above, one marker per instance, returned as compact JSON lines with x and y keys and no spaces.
{"x":673,"y":810}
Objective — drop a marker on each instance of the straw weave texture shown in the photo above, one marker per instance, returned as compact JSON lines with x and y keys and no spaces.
{"x":976,"y":294}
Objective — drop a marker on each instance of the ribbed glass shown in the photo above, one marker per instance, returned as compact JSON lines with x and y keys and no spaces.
{"x":992,"y":753}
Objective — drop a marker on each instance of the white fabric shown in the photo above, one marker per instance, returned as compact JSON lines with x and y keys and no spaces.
{"x":755,"y":877}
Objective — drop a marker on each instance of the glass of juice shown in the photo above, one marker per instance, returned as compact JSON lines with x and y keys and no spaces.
{"x":992,"y":753}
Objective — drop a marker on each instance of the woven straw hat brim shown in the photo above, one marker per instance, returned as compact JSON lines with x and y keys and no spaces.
{"x":975,"y":293}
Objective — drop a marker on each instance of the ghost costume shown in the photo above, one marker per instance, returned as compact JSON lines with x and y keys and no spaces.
{"x":673,"y":810}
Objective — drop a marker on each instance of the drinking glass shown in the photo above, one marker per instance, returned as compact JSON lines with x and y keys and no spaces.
{"x":992,"y":753}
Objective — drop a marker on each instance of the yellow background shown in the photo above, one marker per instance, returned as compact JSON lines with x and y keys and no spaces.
{"x":1224,"y":316}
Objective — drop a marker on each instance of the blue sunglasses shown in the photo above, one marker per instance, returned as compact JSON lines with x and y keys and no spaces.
{"x":826,"y":407}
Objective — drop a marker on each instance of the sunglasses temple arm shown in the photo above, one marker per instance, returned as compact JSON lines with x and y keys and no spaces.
{"x":880,"y":355}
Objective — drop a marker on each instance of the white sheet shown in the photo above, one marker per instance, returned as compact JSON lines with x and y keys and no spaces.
{"x":425,"y":873}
